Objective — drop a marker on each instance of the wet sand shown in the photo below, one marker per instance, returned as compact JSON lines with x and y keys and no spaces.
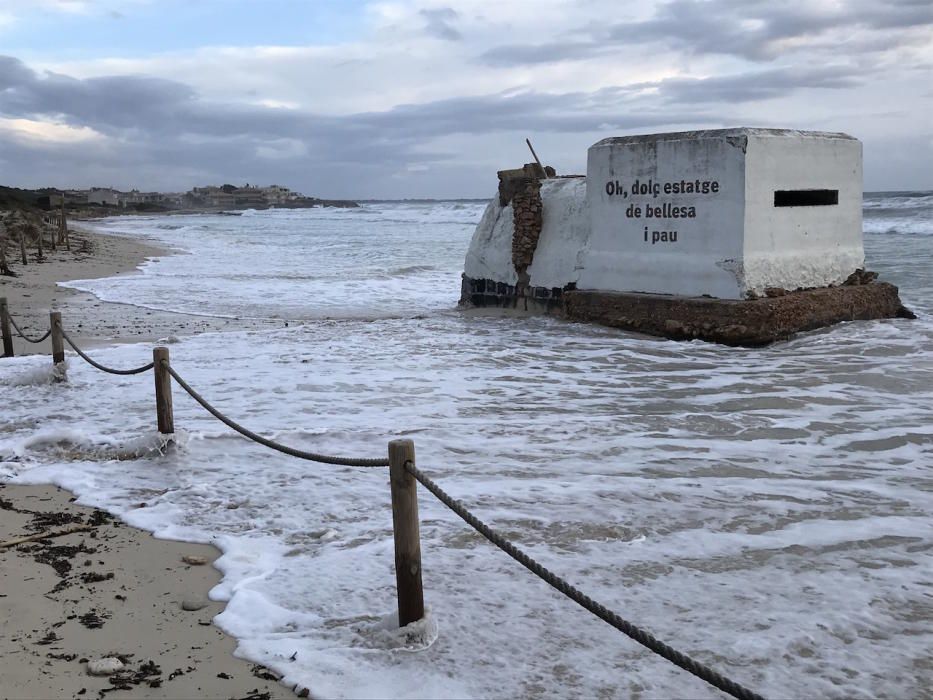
{"x":109,"y":590}
{"x":34,"y":292}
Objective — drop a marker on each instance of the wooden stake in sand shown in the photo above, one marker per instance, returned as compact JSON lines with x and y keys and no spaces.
{"x":45,"y":536}
{"x":63,"y":234}
{"x":4,"y":267}
{"x":22,"y":244}
{"x":407,"y":534}
{"x":163,"y":391}
{"x":58,"y":344}
{"x":5,"y":329}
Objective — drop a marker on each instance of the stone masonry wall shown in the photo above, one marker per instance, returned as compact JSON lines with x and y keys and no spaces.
{"x":527,"y":221}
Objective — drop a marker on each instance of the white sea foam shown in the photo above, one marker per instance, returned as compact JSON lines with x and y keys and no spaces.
{"x":766,"y":511}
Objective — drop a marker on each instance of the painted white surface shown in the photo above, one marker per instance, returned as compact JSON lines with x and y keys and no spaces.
{"x":631,"y":249}
{"x":793,"y":247}
{"x":489,"y":256}
{"x":565,"y":229}
{"x":728,"y":238}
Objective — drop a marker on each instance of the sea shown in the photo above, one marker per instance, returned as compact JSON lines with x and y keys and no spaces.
{"x":766,"y":511}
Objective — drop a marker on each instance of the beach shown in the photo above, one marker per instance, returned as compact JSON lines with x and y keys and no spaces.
{"x":89,"y":321}
{"x":108,"y":590}
{"x":764,"y":511}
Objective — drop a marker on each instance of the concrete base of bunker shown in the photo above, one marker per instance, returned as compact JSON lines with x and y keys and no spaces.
{"x":750,"y":323}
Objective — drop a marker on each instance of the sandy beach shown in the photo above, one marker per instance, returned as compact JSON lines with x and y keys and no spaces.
{"x":34,"y":292}
{"x":106,"y":590}
{"x":110,"y":591}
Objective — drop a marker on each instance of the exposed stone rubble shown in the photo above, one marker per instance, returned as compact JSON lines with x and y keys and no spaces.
{"x":521,"y":187}
{"x":527,"y":221}
{"x":747,"y":323}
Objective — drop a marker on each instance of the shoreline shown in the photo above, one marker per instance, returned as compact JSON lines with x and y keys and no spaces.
{"x":110,"y":591}
{"x":36,"y":291}
{"x":134,"y":582}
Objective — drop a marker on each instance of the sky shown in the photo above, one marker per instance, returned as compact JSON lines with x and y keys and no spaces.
{"x":424,"y":98}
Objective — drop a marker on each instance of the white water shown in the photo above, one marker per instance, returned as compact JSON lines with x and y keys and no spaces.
{"x":766,"y":511}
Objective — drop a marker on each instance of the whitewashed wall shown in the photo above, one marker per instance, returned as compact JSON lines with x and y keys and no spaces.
{"x":564,"y":233}
{"x":609,"y":232}
{"x":489,"y":256}
{"x":812,"y":246}
{"x":565,"y":229}
{"x":633,"y":249}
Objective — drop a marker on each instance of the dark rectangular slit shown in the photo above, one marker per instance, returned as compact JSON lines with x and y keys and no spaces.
{"x":805,"y":198}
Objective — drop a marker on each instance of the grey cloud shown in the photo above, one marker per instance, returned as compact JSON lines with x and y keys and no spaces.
{"x":439,"y":23}
{"x":756,"y":85}
{"x":756,"y":30}
{"x":145,"y":105}
{"x":161,"y":129}
{"x":13,"y":72}
{"x":118,"y":101}
{"x":529,"y":54}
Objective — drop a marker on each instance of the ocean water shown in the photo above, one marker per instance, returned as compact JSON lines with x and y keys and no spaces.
{"x":767,"y":511}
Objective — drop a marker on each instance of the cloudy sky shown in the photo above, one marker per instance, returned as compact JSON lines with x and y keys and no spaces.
{"x":417,"y":98}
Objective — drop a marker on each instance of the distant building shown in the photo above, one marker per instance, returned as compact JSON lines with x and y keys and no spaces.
{"x":247,"y":196}
{"x":250,"y":197}
{"x":222,"y":199}
{"x":75,"y":197}
{"x":50,"y":201}
{"x":106,"y":196}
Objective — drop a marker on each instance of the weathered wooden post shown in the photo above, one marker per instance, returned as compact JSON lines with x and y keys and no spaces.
{"x":58,"y":346}
{"x":407,"y":535}
{"x":4,"y":267}
{"x":163,"y":391}
{"x":64,"y":231}
{"x":5,"y":328}
{"x":22,"y":244}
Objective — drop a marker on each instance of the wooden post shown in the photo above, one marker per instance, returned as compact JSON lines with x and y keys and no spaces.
{"x":58,"y":346}
{"x":22,"y":244}
{"x":58,"y":343}
{"x":5,"y":328}
{"x":4,"y":267}
{"x":406,"y":529}
{"x":163,"y":391}
{"x":64,"y":231}
{"x":39,"y":254}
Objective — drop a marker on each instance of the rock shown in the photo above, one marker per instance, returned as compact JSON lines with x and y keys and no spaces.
{"x":860,"y":276}
{"x":104,"y":667}
{"x":192,"y":604}
{"x":194,"y":560}
{"x":775,"y":292}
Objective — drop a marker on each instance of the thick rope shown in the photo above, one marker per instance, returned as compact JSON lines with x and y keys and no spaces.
{"x":639,"y":635}
{"x":102,"y":368}
{"x":26,"y":337}
{"x":246,"y":432}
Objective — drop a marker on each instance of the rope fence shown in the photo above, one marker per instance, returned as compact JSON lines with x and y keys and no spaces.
{"x":104,"y":368}
{"x":404,"y":476}
{"x":272,"y":444}
{"x":25,"y":337}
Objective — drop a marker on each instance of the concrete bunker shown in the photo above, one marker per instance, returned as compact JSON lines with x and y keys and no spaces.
{"x":740,"y":236}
